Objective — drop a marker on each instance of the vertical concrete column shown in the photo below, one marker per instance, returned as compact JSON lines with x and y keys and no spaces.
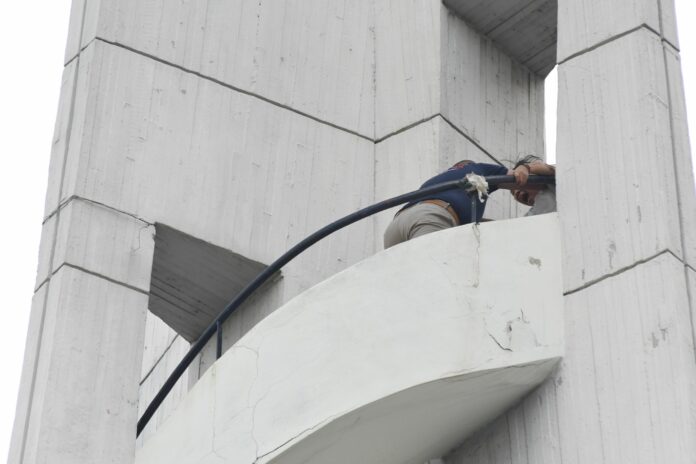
{"x":79,"y":392}
{"x":78,"y":397}
{"x":626,"y":390}
{"x":627,"y":211}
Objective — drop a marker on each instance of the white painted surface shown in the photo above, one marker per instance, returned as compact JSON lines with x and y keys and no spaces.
{"x":624,"y":392}
{"x":392,"y":360}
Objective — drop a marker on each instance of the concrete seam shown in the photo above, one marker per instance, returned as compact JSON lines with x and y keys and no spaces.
{"x":537,"y":54}
{"x":676,"y":185}
{"x":101,"y":276}
{"x":662,"y":26}
{"x":509,"y":432}
{"x":375,"y":245}
{"x":506,"y":20}
{"x":41,"y":284}
{"x":72,"y":198}
{"x":156,"y":363}
{"x":406,"y":127}
{"x":609,"y":40}
{"x":231,"y":87}
{"x":671,"y":45}
{"x":71,"y":116}
{"x":470,"y":139}
{"x":621,"y":271}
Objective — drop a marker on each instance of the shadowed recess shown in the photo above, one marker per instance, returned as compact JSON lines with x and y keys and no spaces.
{"x":193,"y":280}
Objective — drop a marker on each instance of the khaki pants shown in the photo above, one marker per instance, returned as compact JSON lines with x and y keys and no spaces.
{"x":419,"y":219}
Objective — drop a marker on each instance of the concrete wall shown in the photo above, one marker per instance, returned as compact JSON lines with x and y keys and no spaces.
{"x":626,"y":390}
{"x":247,"y":125}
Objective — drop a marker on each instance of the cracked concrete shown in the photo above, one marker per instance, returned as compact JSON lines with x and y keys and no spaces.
{"x":340,"y":374}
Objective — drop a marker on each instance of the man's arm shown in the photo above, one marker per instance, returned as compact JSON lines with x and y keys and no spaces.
{"x":522,"y":172}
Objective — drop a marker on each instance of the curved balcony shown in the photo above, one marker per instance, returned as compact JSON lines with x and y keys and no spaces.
{"x":394,"y":360}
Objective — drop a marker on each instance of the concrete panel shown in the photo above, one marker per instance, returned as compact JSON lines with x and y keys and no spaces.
{"x":48,"y":236}
{"x":314,"y":56}
{"x":488,"y":96}
{"x":615,"y":155}
{"x":193,"y":280}
{"x":158,"y":339}
{"x":525,"y":29}
{"x":668,"y":19}
{"x":587,"y":23}
{"x":257,"y":308}
{"x":406,"y":160}
{"x":155,"y":377}
{"x":61,"y":136}
{"x":682,"y":155}
{"x":281,"y":394}
{"x":229,"y":169}
{"x":72,"y":47}
{"x":31,"y":349}
{"x":107,"y":242}
{"x":408,"y":62}
{"x":76,"y":371}
{"x":623,"y":390}
{"x":691,"y":283}
{"x":506,"y":439}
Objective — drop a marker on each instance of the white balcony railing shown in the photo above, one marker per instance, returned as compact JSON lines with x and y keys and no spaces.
{"x":394,"y":360}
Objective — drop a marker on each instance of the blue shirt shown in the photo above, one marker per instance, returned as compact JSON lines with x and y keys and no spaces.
{"x":458,"y":198}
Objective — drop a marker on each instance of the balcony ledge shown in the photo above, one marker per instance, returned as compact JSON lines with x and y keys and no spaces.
{"x":394,"y":360}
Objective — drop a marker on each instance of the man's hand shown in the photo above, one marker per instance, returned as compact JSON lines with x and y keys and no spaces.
{"x":521,"y":174}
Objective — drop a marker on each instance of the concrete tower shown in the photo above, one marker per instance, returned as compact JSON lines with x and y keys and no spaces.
{"x":198,"y":140}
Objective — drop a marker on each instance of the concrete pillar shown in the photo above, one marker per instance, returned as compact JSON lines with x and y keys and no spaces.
{"x":626,"y":390}
{"x":79,"y":388}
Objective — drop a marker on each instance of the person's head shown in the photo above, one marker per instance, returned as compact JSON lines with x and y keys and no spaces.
{"x":527,"y":195}
{"x":528,"y":159}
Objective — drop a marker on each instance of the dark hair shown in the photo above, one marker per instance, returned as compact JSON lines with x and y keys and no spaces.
{"x":527,"y":160}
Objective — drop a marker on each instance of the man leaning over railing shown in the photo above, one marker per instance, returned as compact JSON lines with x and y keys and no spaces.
{"x":453,"y":207}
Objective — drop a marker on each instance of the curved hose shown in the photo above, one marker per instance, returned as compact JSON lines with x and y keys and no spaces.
{"x":289,"y":255}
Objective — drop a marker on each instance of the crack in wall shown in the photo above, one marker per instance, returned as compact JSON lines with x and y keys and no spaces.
{"x":498,"y":343}
{"x":70,"y":199}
